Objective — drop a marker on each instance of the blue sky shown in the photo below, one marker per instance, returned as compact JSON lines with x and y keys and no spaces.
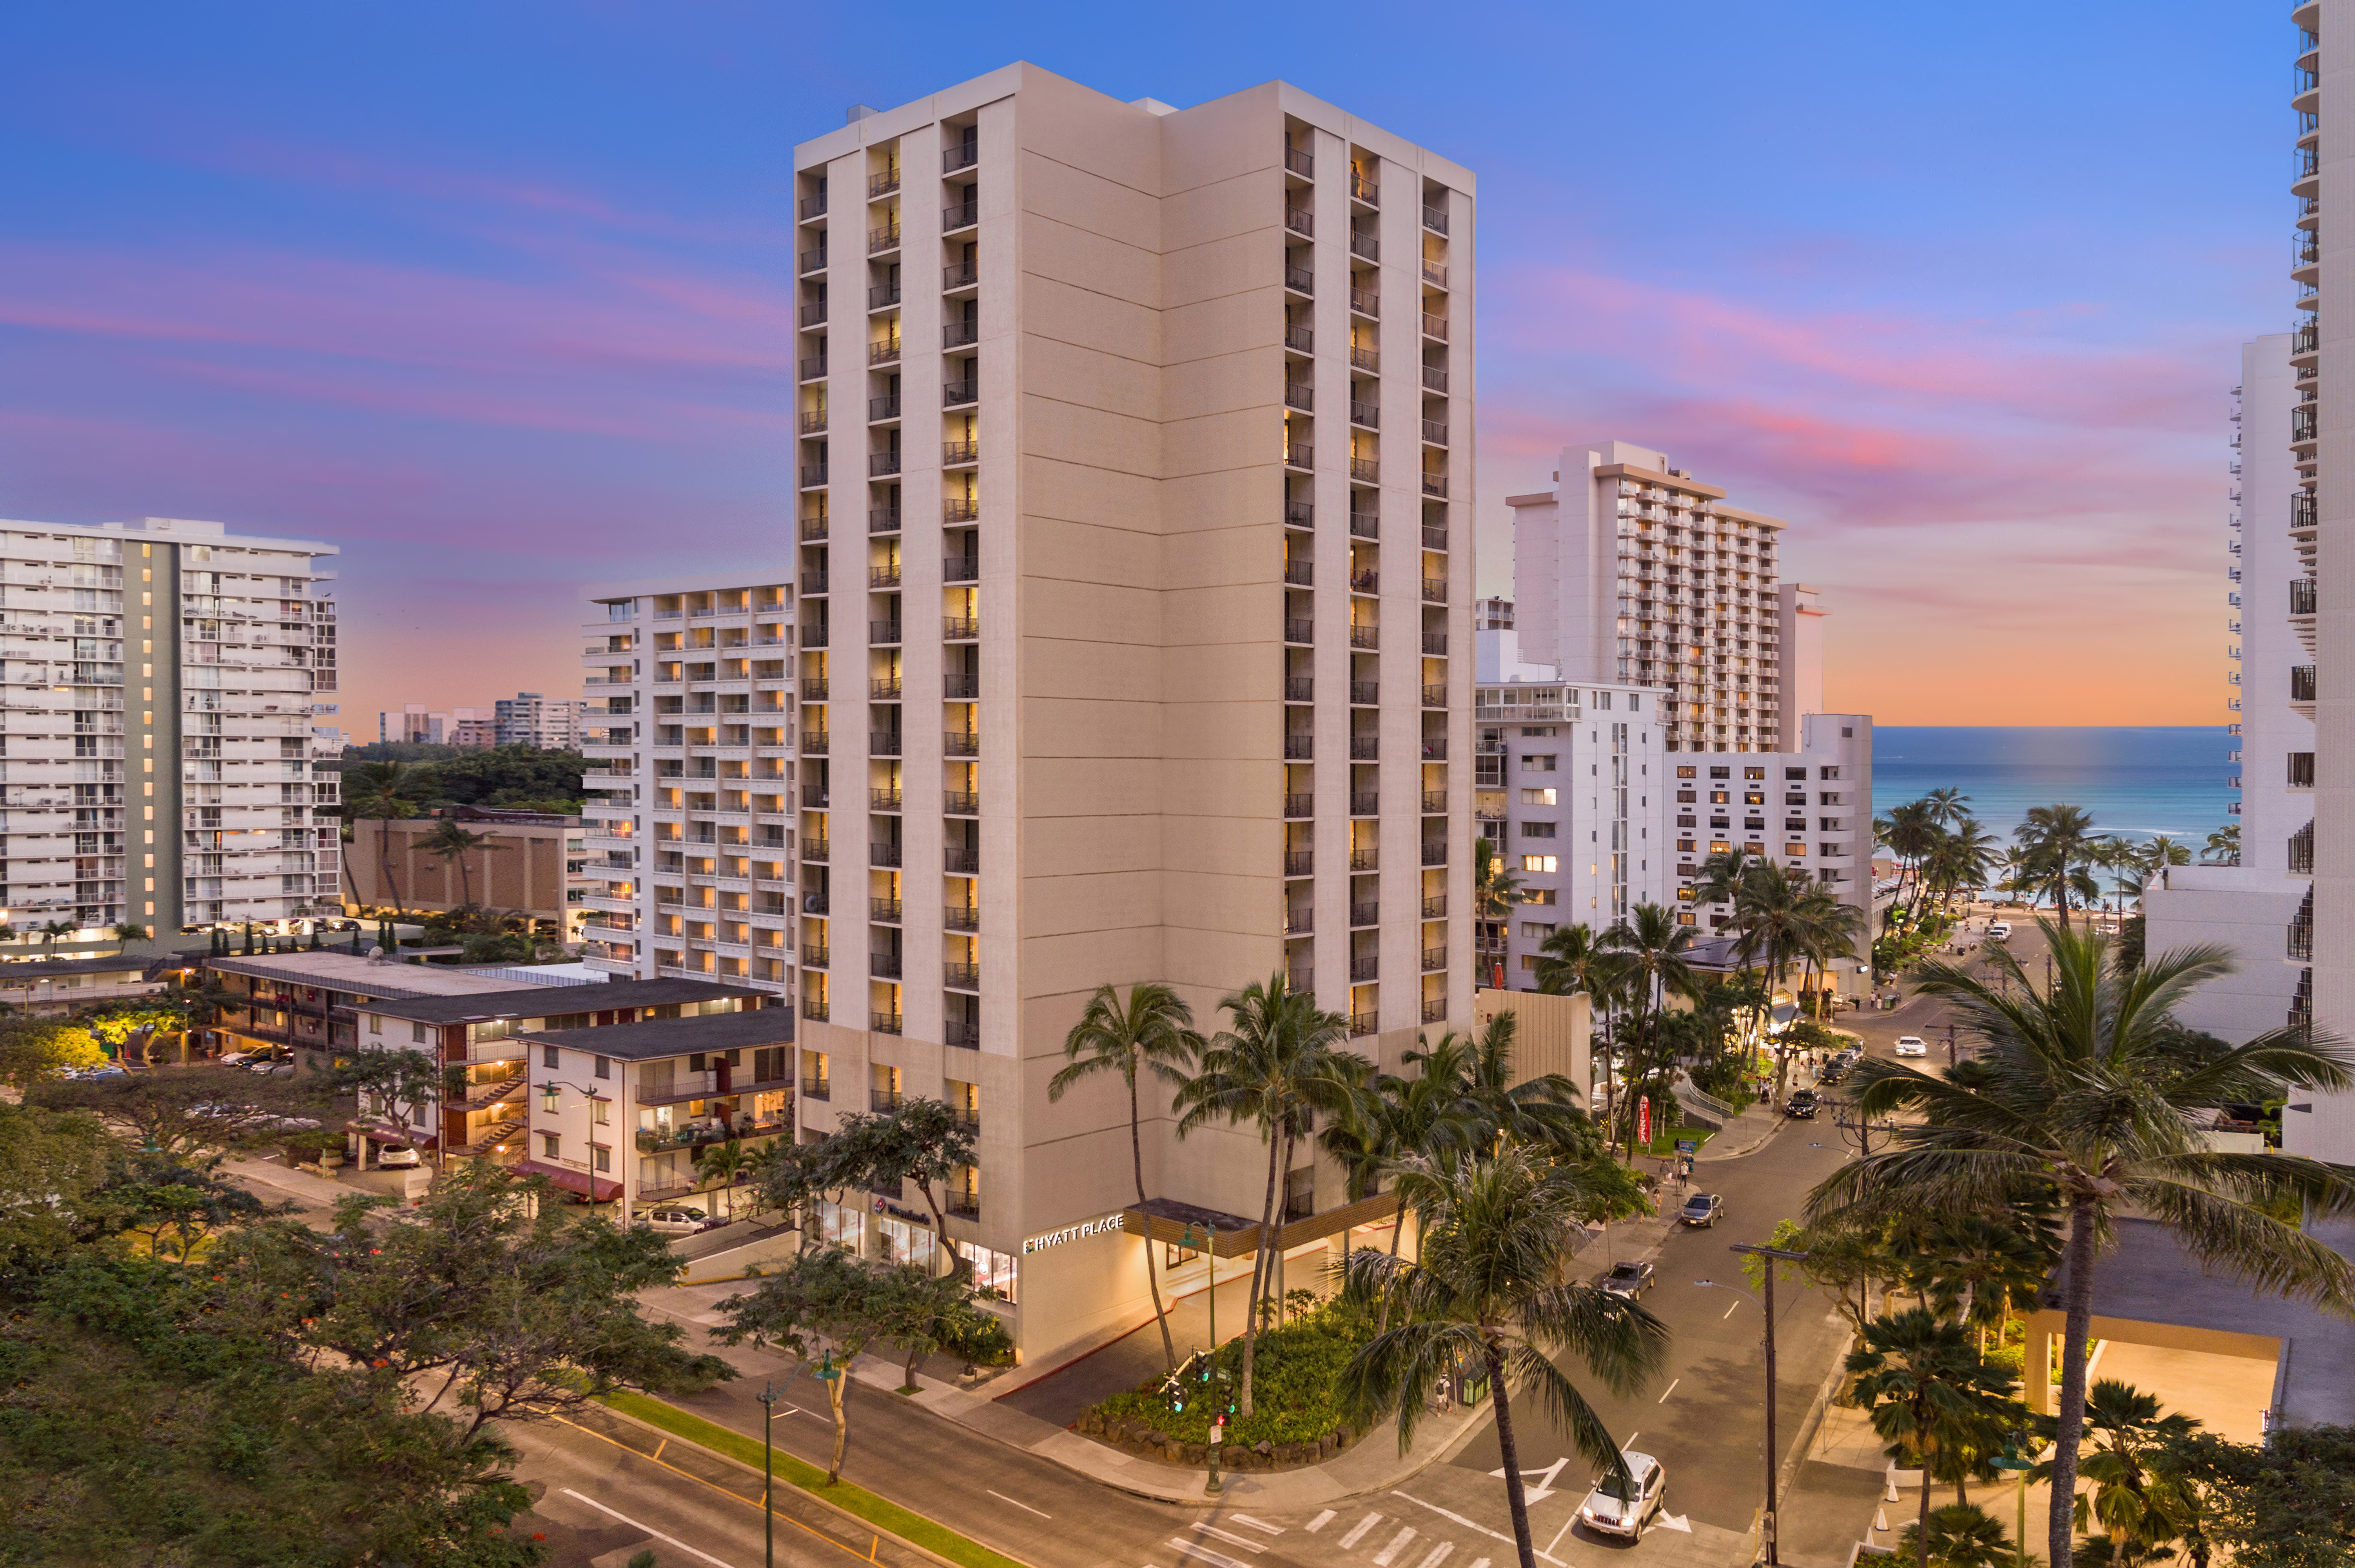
{"x":494,"y":297}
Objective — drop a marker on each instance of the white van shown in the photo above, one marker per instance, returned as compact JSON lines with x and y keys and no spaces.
{"x":2000,"y":931}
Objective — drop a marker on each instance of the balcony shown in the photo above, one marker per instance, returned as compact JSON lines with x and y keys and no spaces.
{"x":960,"y":628}
{"x":1364,"y":190}
{"x":882,"y":634}
{"x":963,"y":155}
{"x":817,"y":846}
{"x":882,"y":184}
{"x":1300,"y":573}
{"x":1435,"y":326}
{"x":880,"y":578}
{"x":813,"y":366}
{"x":1434,"y":589}
{"x":883,"y":407}
{"x":1367,"y":858}
{"x":1299,"y":806}
{"x":1361,"y":1025}
{"x":815,"y":1088}
{"x":2301,"y":683}
{"x":887,"y":912}
{"x":1368,"y":415}
{"x":814,"y":583}
{"x":1300,"y":862}
{"x":960,"y":334}
{"x":884,"y":1023}
{"x":813,"y":422}
{"x":1435,"y":432}
{"x":879,"y":464}
{"x":1299,"y":747}
{"x":1435,"y":643}
{"x":1435,"y":852}
{"x":1300,"y":222}
{"x":961,"y":917}
{"x":961,"y":743}
{"x":886,"y":238}
{"x":1436,"y":485}
{"x":883,"y":744}
{"x":813,"y":314}
{"x":959,"y":275}
{"x":960,"y":454}
{"x":1434,"y":219}
{"x":1299,"y":280}
{"x":1361,"y":357}
{"x":960,"y":215}
{"x":961,"y":684}
{"x":961,"y":977}
{"x":1365,"y":525}
{"x":1365,"y":247}
{"x":960,"y":510}
{"x":1296,"y":161}
{"x":1299,"y":454}
{"x":960,"y":803}
{"x":885,"y":352}
{"x":1296,"y":396}
{"x":1365,"y":748}
{"x":810,"y":207}
{"x":2301,"y":852}
{"x":1300,"y":339}
{"x":957,"y":394}
{"x":1365,"y":693}
{"x":1435,"y":748}
{"x":1365,"y":803}
{"x":817,"y":957}
{"x":883,"y":520}
{"x":1435,"y":802}
{"x":1297,"y":631}
{"x":961,"y":861}
{"x":1434,"y":274}
{"x":883,"y":965}
{"x":961,"y":569}
{"x":812,"y":474}
{"x":1435,"y":1009}
{"x":814,"y":797}
{"x":815,"y":636}
{"x":816,"y":742}
{"x":1364,"y":471}
{"x":1434,"y":537}
{"x":1435,"y":696}
{"x":1366,"y":303}
{"x":1300,"y":689}
{"x":879,"y":295}
{"x":1365,"y":579}
{"x":1436,"y":907}
{"x":1365,"y":635}
{"x":883,"y":799}
{"x":813,"y":530}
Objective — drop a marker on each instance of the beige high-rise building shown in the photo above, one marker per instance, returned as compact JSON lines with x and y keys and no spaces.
{"x":1630,"y":571}
{"x":1134,"y":625}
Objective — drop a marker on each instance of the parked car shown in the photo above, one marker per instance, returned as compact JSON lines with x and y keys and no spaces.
{"x":1999,"y":932}
{"x":1617,"y":1507}
{"x":1702,"y":1208}
{"x":676,"y":1221}
{"x":397,"y":1159}
{"x":1831,"y":1072}
{"x":1630,"y":1280}
{"x":1802,"y":1104}
{"x":1911,"y":1045}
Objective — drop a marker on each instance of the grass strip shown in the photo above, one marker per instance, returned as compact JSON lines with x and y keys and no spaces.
{"x":884,"y":1514}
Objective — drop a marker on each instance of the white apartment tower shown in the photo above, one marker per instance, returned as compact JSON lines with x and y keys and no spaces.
{"x":691,"y":809}
{"x":2261,"y":907}
{"x":535,"y":719}
{"x":1630,"y":571}
{"x":2321,"y":439}
{"x":1128,"y":638}
{"x":164,"y":677}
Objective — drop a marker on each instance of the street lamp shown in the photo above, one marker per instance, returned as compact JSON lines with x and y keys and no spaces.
{"x":768,"y":1398}
{"x":2012,"y":1459}
{"x":1767,"y":1522}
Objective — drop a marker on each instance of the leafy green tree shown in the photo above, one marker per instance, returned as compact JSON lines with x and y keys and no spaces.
{"x":2288,"y":1503}
{"x":1278,"y":1067}
{"x":145,"y":1418}
{"x":2088,"y":1094}
{"x":1152,"y":1035}
{"x":1495,"y":1289}
{"x":163,"y":1199}
{"x":1928,"y":1394}
{"x":2223,"y":846}
{"x":191,"y":1110}
{"x":721,"y":1164}
{"x":484,"y":1294}
{"x":923,"y":1141}
{"x":405,"y":1087}
{"x":52,"y":1166}
{"x":36,"y":1050}
{"x":829,"y":1301}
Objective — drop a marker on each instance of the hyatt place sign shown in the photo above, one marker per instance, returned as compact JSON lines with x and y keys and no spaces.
{"x":1080,"y":1231}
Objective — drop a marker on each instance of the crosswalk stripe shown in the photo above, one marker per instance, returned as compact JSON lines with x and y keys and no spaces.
{"x":1383,"y":1558}
{"x":1436,"y":1555}
{"x":1357,"y":1531}
{"x":1259,"y":1524}
{"x":1245,"y":1541}
{"x":1319,"y":1522}
{"x":1215,"y":1559}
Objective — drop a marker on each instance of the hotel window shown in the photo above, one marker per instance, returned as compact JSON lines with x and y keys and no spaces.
{"x":548,"y":1057}
{"x":1685,"y":771}
{"x":600,"y":1112}
{"x":1719,"y":845}
{"x":600,"y":1157}
{"x":551,"y":1146}
{"x":992,"y":1270}
{"x":1536,"y":930}
{"x":1547,"y":863}
{"x":1685,"y":894}
{"x":376,"y":1023}
{"x":1684,"y":846}
{"x":1538,"y":798}
{"x":417,"y":1033}
{"x":551,"y":1100}
{"x":1539,"y":896}
{"x":605,"y":1067}
{"x":1537,"y":829}
{"x":839,"y":1225}
{"x":1687,"y":917}
{"x":1794,"y":849}
{"x":1535,"y":764}
{"x":1754,"y":773}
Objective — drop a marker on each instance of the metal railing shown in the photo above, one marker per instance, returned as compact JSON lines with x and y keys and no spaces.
{"x":954,"y":394}
{"x":961,"y":802}
{"x":1365,"y":748}
{"x":1300,"y":280}
{"x":883,"y":407}
{"x":883,"y":520}
{"x":960,"y":275}
{"x":1366,"y":246}
{"x":1303,"y":338}
{"x":958,"y":333}
{"x":1298,"y":220}
{"x":961,"y":917}
{"x":1365,"y":302}
{"x":960,"y":215}
{"x":1300,"y":862}
{"x":963,"y":155}
{"x":1434,"y":219}
{"x":1299,"y":454}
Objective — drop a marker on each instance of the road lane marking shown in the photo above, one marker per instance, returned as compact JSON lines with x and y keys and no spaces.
{"x":1026,"y":1507}
{"x":1262,"y":1524}
{"x":1245,"y":1541}
{"x":1669,"y":1390}
{"x":1185,"y":1548}
{"x":1388,"y":1554}
{"x":1562,"y":1531}
{"x":656,"y":1534}
{"x":1436,"y":1555}
{"x":1473,"y":1525}
{"x":1357,"y":1531}
{"x":1319,"y":1522}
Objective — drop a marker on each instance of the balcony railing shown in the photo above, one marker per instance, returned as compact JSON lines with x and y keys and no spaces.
{"x":883,"y":407}
{"x":1366,"y":414}
{"x":1296,"y":806}
{"x":1365,"y":635}
{"x":1434,"y":801}
{"x":1365,"y":748}
{"x":815,"y":847}
{"x":1300,"y":222}
{"x":879,"y":799}
{"x":1361,"y":1025}
{"x":1300,"y":862}
{"x":1363,"y":190}
{"x":1435,"y":748}
{"x":1300,"y":162}
{"x":887,"y":910}
{"x":1366,"y":470}
{"x":813,"y":314}
{"x":1296,"y":396}
{"x":884,"y":578}
{"x":961,"y":742}
{"x":1434,"y":219}
{"x":1365,"y":579}
{"x":1299,"y":747}
{"x":2301,"y":852}
{"x":813,"y":366}
{"x":883,"y":520}
{"x":1364,"y":967}
{"x":963,"y":1032}
{"x":1367,"y":858}
{"x":1435,"y":695}
{"x":1365,"y":693}
{"x":884,"y":352}
{"x":961,"y":802}
{"x":1300,"y":573}
{"x":1436,"y":907}
{"x":958,"y":333}
{"x":883,"y":965}
{"x":961,"y":684}
{"x":961,"y":569}
{"x":960,"y":628}
{"x":813,"y":422}
{"x":961,"y":917}
{"x":812,"y":474}
{"x":1435,"y":432}
{"x":2301,"y":596}
{"x":1299,"y":280}
{"x":1435,"y":852}
{"x":1366,"y":246}
{"x":817,"y":957}
{"x":881,"y":295}
{"x":960,"y":454}
{"x":961,"y":509}
{"x":814,"y":583}
{"x":963,"y":155}
{"x":885,"y":855}
{"x":2301,"y":683}
{"x":1365,"y":803}
{"x":960,"y":275}
{"x":1434,"y":589}
{"x":1303,"y":338}
{"x":1436,"y":485}
{"x":810,"y":207}
{"x":957,"y":394}
{"x":1299,"y":631}
{"x":883,"y":1022}
{"x":815,"y":1088}
{"x":961,"y":977}
{"x":960,"y":215}
{"x":1299,"y":454}
{"x":1435,"y":643}
{"x":1365,"y":302}
{"x":1434,"y":274}
{"x":1300,"y":689}
{"x":882,"y":634}
{"x":960,"y":861}
{"x":1435,"y":1009}
{"x":816,"y":742}
{"x":1435,"y":326}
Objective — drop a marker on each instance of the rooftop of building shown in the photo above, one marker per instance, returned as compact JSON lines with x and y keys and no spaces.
{"x":525,"y":1002}
{"x":386,"y":979}
{"x":192,"y":529}
{"x":655,"y":1038}
{"x":15,"y":972}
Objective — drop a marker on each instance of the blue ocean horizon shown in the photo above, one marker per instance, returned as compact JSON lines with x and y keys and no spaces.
{"x":2136,"y":781}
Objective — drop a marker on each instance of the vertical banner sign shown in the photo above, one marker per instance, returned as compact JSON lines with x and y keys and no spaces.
{"x":1644,"y":1121}
{"x":1500,"y":971}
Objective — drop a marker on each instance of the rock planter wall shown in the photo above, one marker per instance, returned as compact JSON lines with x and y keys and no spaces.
{"x":1132,"y":1435}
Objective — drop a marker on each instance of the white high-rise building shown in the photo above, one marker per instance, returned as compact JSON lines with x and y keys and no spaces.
{"x":164,"y":678}
{"x":1630,"y":571}
{"x":2261,"y":907}
{"x":535,"y":719}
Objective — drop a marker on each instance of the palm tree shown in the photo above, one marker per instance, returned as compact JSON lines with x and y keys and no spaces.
{"x":1929,"y":1394}
{"x":1153,"y":1034}
{"x":1946,"y":806}
{"x":2089,"y":1091}
{"x":1569,"y":961}
{"x":1497,"y":1288}
{"x":453,"y":843}
{"x":1961,"y":1535}
{"x":723,"y":1163}
{"x":2058,"y":841}
{"x":1719,"y":881}
{"x":1964,"y":856}
{"x":128,"y":931}
{"x":1496,"y":886}
{"x":1277,"y":1066}
{"x":1824,"y":928}
{"x":2223,"y":844}
{"x":2162,"y":849}
{"x":1911,"y":831}
{"x":386,"y":792}
{"x":1651,"y":947}
{"x":1541,"y":1111}
{"x":1979,"y":1269}
{"x":2138,"y":1506}
{"x":1390,"y":1117}
{"x":51,"y":931}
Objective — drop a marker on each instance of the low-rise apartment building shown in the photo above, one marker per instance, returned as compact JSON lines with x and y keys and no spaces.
{"x":535,"y":864}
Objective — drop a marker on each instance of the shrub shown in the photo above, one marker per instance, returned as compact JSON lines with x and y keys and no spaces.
{"x":1295,"y":1384}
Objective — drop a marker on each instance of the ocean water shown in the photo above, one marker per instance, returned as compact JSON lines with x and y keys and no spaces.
{"x":2135,"y":781}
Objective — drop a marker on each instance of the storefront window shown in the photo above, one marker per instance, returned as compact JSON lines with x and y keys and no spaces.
{"x":841,"y":1227}
{"x":906,"y":1244}
{"x":992,"y":1270}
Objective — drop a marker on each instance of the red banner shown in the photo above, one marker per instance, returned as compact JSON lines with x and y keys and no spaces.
{"x":1644,"y":1121}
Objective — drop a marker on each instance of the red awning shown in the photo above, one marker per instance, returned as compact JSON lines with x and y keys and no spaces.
{"x":580,"y":1181}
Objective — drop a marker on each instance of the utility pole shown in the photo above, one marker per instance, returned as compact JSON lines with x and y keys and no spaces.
{"x":1767,"y":1520}
{"x":768,"y":1398}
